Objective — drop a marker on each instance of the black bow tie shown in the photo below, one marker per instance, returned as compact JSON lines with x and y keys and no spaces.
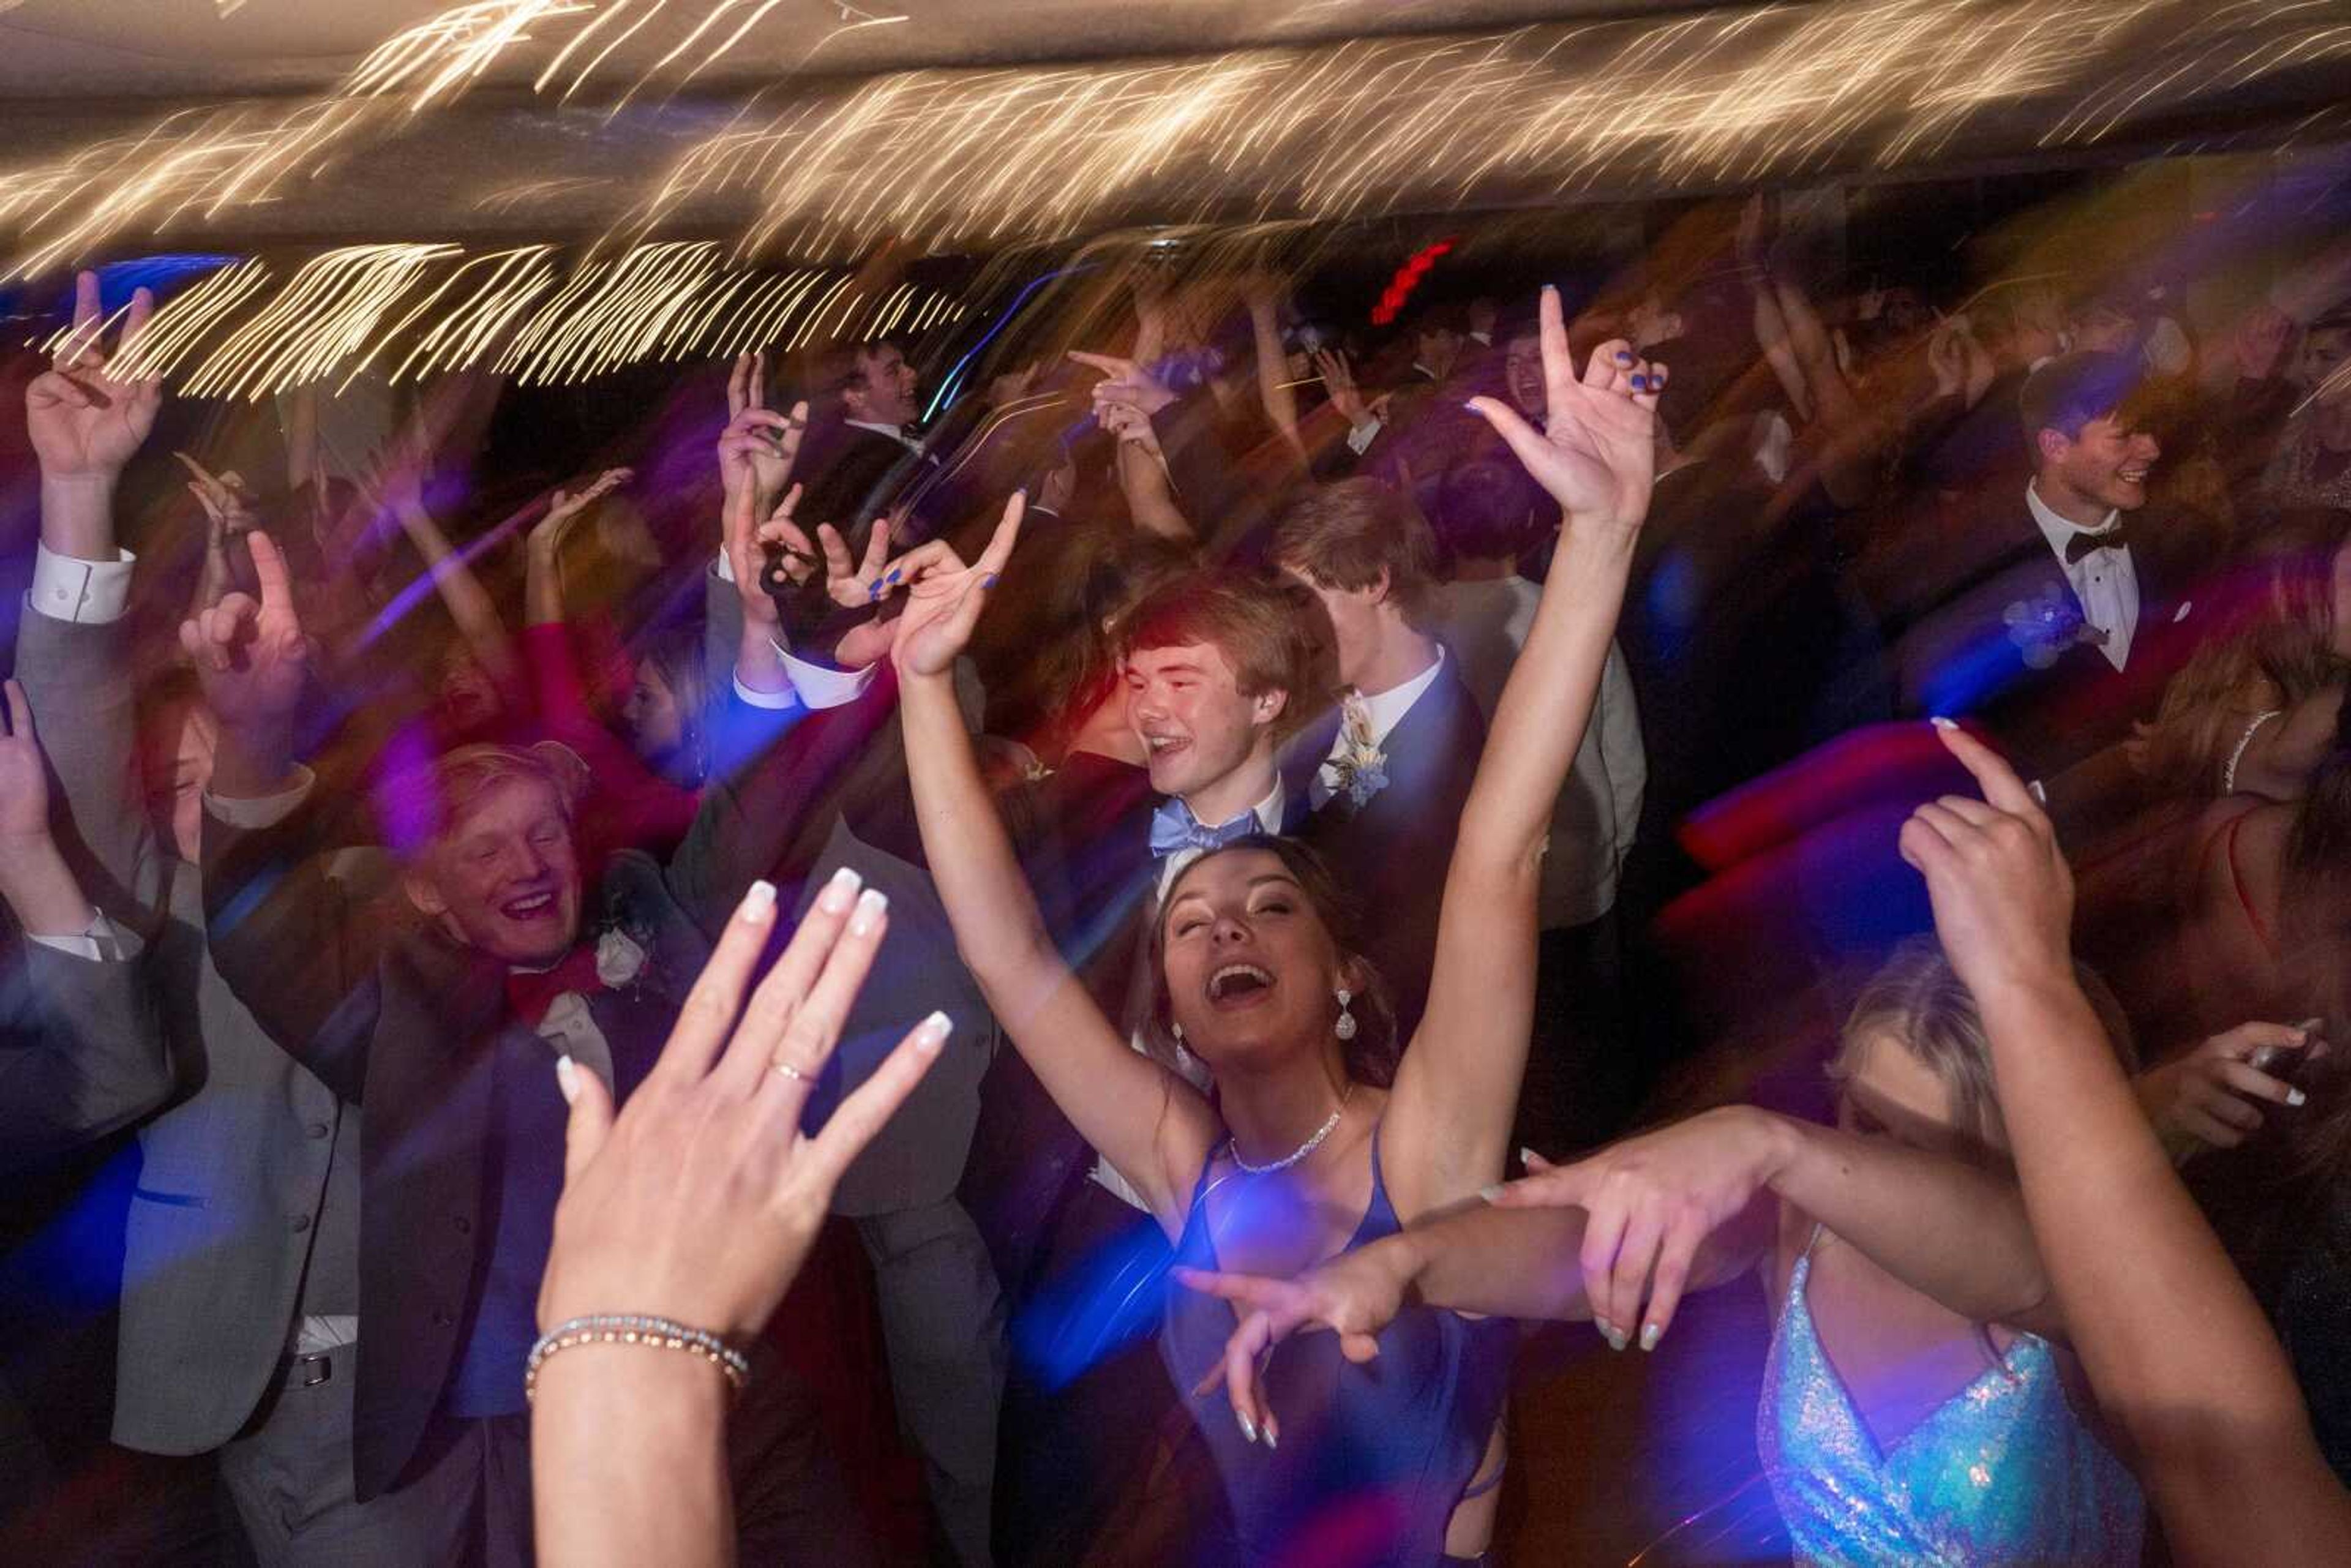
{"x":2080,"y":545}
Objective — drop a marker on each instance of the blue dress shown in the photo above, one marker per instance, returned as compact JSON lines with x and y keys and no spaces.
{"x":1373,"y":1459}
{"x":2002,"y":1472}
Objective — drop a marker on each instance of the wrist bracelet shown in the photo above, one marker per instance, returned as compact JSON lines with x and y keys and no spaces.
{"x":633,"y":1328}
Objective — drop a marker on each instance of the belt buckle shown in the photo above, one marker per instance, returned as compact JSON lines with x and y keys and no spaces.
{"x":315,"y":1368}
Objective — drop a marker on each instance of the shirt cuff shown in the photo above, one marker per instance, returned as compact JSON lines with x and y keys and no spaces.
{"x":725,"y":569}
{"x":99,"y":942}
{"x":86,"y":592}
{"x":263,"y":810}
{"x":821,"y":687}
{"x":786,"y":698}
{"x":1361,"y":437}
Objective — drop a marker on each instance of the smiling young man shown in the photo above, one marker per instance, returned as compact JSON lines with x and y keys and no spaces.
{"x":2079,"y":602}
{"x":440,"y":1008}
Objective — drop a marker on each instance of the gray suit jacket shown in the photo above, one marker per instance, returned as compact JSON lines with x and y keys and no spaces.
{"x":83,"y":1056}
{"x":234,"y":1173}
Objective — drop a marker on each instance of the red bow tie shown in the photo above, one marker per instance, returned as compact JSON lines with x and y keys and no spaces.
{"x":530,"y":994}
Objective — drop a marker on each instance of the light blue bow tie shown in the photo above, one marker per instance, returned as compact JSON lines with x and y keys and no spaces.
{"x":1173,"y":828}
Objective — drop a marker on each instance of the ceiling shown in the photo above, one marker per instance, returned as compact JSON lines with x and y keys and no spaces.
{"x":148,"y":48}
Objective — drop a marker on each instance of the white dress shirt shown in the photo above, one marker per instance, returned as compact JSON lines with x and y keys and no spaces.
{"x":1388,"y":709}
{"x":2106,"y":581}
{"x":815,"y":687}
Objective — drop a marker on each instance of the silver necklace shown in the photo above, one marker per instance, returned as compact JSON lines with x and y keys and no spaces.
{"x":1302,"y":1150}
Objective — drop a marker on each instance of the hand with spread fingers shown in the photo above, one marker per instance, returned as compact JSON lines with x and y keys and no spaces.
{"x":85,"y":416}
{"x":699,"y":1201}
{"x":1596,"y":454}
{"x":1650,"y":1203}
{"x":1355,"y":1295}
{"x":1339,"y":386}
{"x":2213,"y":1095}
{"x":944,"y":597}
{"x":2002,"y":890}
{"x":758,"y":446}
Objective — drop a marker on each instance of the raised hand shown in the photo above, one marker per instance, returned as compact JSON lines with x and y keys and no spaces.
{"x":1125,"y":381}
{"x":2002,"y":894}
{"x":1339,"y":386}
{"x":1650,"y":1203}
{"x":759,"y":446}
{"x":944,"y":597}
{"x":1130,"y":424}
{"x":1596,"y":452}
{"x":2212,"y":1097}
{"x":250,"y":653}
{"x":1355,"y":1295}
{"x":565,"y":507}
{"x":226,"y":500}
{"x":85,"y":419}
{"x":700,"y":1200}
{"x":24,"y":776}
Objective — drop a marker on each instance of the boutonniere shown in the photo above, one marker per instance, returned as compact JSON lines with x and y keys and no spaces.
{"x":2046,"y":626}
{"x":1359,"y":770}
{"x":619,"y":959}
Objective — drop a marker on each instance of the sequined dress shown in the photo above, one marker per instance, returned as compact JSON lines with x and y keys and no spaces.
{"x":2002,"y":1472}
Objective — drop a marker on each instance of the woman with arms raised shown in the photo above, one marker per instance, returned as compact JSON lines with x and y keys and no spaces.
{"x":1312,"y":1145}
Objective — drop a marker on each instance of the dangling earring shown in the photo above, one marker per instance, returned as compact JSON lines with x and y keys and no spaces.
{"x":1345,"y":1028}
{"x":1177,"y":1031}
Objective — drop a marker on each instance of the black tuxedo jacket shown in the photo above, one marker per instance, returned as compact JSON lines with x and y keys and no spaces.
{"x":851,"y":475}
{"x":1390,"y":855}
{"x":2002,"y":637}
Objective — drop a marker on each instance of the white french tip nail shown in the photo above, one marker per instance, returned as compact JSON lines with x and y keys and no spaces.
{"x":2295,"y":1097}
{"x":2037,"y":793}
{"x":760,"y":900}
{"x":1650,"y":1334}
{"x":1527,"y":1157}
{"x":566,"y":1078}
{"x":1490,"y":1194}
{"x":840,"y":891}
{"x":1940,"y":722}
{"x":1249,"y":1427}
{"x":1272,"y":1438}
{"x":871,"y":904}
{"x":934,"y":1032}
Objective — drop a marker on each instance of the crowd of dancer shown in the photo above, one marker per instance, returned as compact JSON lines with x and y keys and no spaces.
{"x":1073,"y":983}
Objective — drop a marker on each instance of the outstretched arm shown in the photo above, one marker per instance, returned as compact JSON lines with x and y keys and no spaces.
{"x":1152,"y":1126}
{"x":1668,"y":1208}
{"x":1449,"y":1118}
{"x":2174,"y":1343}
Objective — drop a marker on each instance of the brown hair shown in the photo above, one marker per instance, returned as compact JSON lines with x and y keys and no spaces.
{"x":1916,"y":998}
{"x":838,"y":370}
{"x":1252,"y":621}
{"x":1371,"y":1057}
{"x":1346,"y":535}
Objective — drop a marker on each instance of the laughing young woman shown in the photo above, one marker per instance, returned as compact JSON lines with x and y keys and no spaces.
{"x":1320,"y":1135}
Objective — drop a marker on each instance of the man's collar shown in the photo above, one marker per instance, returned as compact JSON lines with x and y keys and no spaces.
{"x":893,"y":432}
{"x":1387,"y":708}
{"x":2058,"y":530}
{"x":1269,"y":811}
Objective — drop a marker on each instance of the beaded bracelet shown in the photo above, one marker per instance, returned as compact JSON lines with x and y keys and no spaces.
{"x":630,"y":1328}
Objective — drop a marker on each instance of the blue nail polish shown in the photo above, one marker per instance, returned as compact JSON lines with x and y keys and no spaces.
{"x":891,"y":577}
{"x":873,"y":590}
{"x":1640,"y":383}
{"x":988,"y":582}
{"x":1622,"y":358}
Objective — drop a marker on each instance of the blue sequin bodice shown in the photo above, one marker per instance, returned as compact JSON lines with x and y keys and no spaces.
{"x":2002,"y":1472}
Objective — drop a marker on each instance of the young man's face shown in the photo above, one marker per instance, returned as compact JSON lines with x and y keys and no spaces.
{"x":505,"y":879}
{"x":2108,"y":462}
{"x":886,"y":396}
{"x":1186,"y":707}
{"x":1522,"y":371}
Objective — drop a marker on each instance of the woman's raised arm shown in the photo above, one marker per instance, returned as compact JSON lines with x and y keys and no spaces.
{"x":1448,"y":1122}
{"x":1152,"y":1126}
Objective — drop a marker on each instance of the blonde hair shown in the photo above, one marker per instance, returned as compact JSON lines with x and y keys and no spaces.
{"x":462,"y":776}
{"x":1917,"y":999}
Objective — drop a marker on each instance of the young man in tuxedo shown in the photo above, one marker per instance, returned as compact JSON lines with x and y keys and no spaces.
{"x":2068,"y":604}
{"x":442,"y":1009}
{"x":861,"y":446}
{"x":1388,"y":775}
